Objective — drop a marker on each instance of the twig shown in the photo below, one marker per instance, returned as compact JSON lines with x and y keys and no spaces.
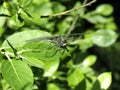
{"x":85,"y":1}
{"x":72,"y":26}
{"x":68,"y":11}
{"x":74,"y":22}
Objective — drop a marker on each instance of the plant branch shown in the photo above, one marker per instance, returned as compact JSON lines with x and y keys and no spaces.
{"x":72,"y":26}
{"x":68,"y":11}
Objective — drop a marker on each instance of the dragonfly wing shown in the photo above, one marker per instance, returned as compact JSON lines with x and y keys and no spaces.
{"x":40,"y":38}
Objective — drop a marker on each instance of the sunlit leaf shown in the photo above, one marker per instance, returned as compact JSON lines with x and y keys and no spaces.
{"x":52,"y":86}
{"x":104,"y":9}
{"x":104,"y":38}
{"x":19,"y":39}
{"x":17,"y":74}
{"x":25,"y":3}
{"x":75,"y":76}
{"x":105,"y":80}
{"x":15,"y":22}
{"x":2,"y":21}
{"x":90,"y":60}
{"x":96,"y":19}
{"x":10,"y":8}
{"x":34,"y":62}
{"x":50,"y":67}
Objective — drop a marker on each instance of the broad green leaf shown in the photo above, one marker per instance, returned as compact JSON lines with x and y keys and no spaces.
{"x":85,"y":44}
{"x":5,"y":85}
{"x":104,"y":38}
{"x":17,"y":74}
{"x":26,"y":16}
{"x":15,"y":22}
{"x":111,"y":25}
{"x":90,"y":60}
{"x":52,"y":86}
{"x":38,"y":2}
{"x":105,"y":80}
{"x":50,"y":67}
{"x":57,"y":7}
{"x":75,"y":76}
{"x":42,"y":9}
{"x":25,"y":3}
{"x":19,"y":39}
{"x":86,"y":70}
{"x":34,"y":62}
{"x":2,"y":21}
{"x":43,"y":50}
{"x":96,"y":85}
{"x":97,"y":19}
{"x":104,"y":9}
{"x":81,"y":86}
{"x":10,"y":8}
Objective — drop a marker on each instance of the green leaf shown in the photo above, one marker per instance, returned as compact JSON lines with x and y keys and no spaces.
{"x":25,"y":3}
{"x":19,"y":39}
{"x":96,"y":85}
{"x":81,"y":86}
{"x":85,"y":44}
{"x":34,"y":62}
{"x":75,"y":76}
{"x":90,"y":60}
{"x":97,"y":19}
{"x":11,"y":8}
{"x":78,"y":11}
{"x":2,"y":21}
{"x":104,"y":38}
{"x":105,"y":80}
{"x":111,"y":25}
{"x":1,"y":31}
{"x":104,"y":9}
{"x":17,"y":74}
{"x":44,"y":9}
{"x":15,"y":22}
{"x":50,"y":67}
{"x":43,"y":50}
{"x":63,"y":26}
{"x":57,"y":7}
{"x":52,"y":86}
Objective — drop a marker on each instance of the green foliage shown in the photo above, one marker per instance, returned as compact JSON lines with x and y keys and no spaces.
{"x":90,"y":60}
{"x":105,"y":80}
{"x":13,"y":72}
{"x":104,"y":38}
{"x":73,"y":79}
{"x":104,"y":9}
{"x":44,"y":62}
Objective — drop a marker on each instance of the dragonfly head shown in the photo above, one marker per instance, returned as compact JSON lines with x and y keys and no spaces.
{"x":63,"y":43}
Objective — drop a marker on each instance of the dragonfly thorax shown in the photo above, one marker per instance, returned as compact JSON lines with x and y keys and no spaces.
{"x":61,"y":42}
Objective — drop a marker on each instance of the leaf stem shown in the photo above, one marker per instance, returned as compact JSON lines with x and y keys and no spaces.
{"x":68,"y":11}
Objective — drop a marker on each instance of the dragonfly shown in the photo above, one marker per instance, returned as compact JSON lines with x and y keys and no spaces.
{"x":60,"y":41}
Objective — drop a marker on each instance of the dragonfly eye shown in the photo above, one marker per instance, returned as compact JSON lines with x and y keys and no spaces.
{"x":63,"y":43}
